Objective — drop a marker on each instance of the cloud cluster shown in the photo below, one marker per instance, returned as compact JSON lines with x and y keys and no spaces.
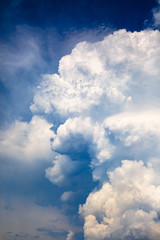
{"x":104,"y":102}
{"x":102,"y":76}
{"x":127,"y":207}
{"x":98,"y":80}
{"x":107,"y":93}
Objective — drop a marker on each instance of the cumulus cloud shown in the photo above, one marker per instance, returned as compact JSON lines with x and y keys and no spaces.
{"x":63,"y":167}
{"x":137,"y":133}
{"x":95,"y":82}
{"x":102,"y":75}
{"x":127,"y":207}
{"x":134,"y":126}
{"x":106,"y":99}
{"x":81,"y":134}
{"x":107,"y":93}
{"x":27,"y":141}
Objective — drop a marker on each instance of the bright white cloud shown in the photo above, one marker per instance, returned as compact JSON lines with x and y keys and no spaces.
{"x":127,"y":207}
{"x":106,"y":75}
{"x":138,"y":131}
{"x":27,"y":141}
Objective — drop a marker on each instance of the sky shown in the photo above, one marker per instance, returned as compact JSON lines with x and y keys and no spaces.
{"x":79,"y":120}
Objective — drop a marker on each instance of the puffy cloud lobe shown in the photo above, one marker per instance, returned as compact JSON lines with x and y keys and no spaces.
{"x":102,"y":75}
{"x":78,"y":135}
{"x":127,"y":207}
{"x":27,"y":141}
{"x":67,"y":132}
{"x":133,"y":126}
{"x":137,"y":131}
{"x":63,"y":168}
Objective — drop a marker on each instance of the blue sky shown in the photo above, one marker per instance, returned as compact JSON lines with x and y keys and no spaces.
{"x":79,"y":135}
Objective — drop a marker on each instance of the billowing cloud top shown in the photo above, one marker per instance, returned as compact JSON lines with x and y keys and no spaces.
{"x":108,"y":75}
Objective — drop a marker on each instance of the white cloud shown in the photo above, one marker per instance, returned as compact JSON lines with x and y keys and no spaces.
{"x":66,"y":196}
{"x":103,"y":75}
{"x":70,"y":236}
{"x":27,"y":141}
{"x":67,"y":131}
{"x":77,"y":133}
{"x":125,"y":208}
{"x":138,"y":133}
{"x":104,"y":95}
{"x":95,"y":82}
{"x":134,"y":126}
{"x":62,"y":169}
{"x":156,"y":15}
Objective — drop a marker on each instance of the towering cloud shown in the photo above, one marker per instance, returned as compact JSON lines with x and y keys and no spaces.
{"x":104,"y":102}
{"x":107,"y":94}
